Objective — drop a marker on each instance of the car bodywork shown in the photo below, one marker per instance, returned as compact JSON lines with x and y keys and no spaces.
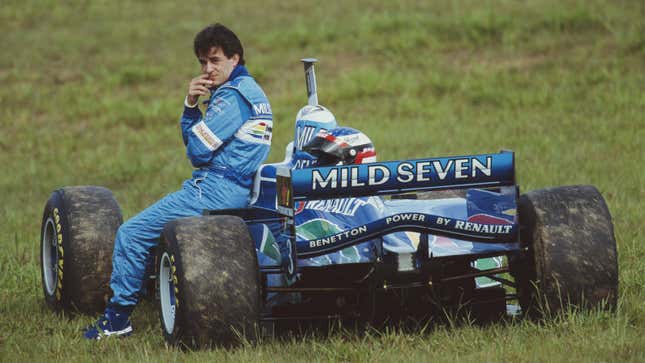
{"x":331,"y":240}
{"x":330,"y":230}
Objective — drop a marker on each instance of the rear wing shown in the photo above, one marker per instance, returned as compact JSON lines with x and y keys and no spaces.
{"x":393,"y":177}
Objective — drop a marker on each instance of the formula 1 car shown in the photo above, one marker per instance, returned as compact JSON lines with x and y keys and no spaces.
{"x":372,"y":242}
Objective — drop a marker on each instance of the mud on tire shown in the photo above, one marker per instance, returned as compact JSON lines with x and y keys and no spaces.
{"x":208,"y":282}
{"x":571,"y":251}
{"x":76,"y":242}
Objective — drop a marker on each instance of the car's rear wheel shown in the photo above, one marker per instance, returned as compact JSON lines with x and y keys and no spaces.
{"x":209,"y":285}
{"x":570,"y":257}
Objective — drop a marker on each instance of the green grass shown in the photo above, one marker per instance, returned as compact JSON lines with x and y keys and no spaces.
{"x":91,"y":94}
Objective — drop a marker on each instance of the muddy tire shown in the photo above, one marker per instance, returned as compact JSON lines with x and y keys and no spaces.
{"x":209,"y":285}
{"x":570,"y":257}
{"x":76,"y":242}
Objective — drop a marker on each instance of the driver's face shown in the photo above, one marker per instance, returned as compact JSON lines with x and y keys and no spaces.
{"x":217,"y":65}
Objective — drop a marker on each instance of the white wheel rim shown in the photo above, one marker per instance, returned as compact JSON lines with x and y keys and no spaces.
{"x":167,"y":293}
{"x":50,"y":256}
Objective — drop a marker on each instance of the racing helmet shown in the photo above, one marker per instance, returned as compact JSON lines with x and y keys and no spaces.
{"x":341,"y":146}
{"x":309,"y":122}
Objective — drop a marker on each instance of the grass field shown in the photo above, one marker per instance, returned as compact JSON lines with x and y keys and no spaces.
{"x":91,"y":93}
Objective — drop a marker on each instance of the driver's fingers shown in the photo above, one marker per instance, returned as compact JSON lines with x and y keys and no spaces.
{"x":198,"y":90}
{"x":205,"y":82}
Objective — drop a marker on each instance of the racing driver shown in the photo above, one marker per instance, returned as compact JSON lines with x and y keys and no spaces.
{"x":226,"y":145}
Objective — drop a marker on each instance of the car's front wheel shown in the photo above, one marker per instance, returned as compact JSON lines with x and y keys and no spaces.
{"x":76,"y":242}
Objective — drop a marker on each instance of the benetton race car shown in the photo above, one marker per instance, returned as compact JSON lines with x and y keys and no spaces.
{"x":361,"y":240}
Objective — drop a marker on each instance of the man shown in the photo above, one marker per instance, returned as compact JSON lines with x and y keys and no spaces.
{"x":227,"y":145}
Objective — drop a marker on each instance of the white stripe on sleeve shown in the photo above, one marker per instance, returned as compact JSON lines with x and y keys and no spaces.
{"x":206,"y":136}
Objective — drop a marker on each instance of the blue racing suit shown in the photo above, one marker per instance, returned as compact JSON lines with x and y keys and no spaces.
{"x":227,"y":146}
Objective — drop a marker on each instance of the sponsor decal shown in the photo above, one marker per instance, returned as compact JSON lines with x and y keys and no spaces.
{"x":256,"y":131}
{"x":483,"y":228}
{"x":206,"y":136}
{"x":304,"y":135}
{"x":331,"y":234}
{"x":262,"y":109}
{"x":261,"y":130}
{"x":304,"y":163}
{"x":335,"y":239}
{"x":319,"y":229}
{"x":344,"y":206}
{"x":338,"y":238}
{"x":354,"y":139}
{"x":405,"y":217}
{"x":450,"y":223}
{"x":175,"y":280}
{"x":61,"y":254}
{"x":406,"y":172}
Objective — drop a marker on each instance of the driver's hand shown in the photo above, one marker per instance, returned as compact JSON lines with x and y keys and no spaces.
{"x":198,"y":87}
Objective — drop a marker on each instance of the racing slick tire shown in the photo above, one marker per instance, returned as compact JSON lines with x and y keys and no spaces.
{"x":209,"y":286}
{"x":76,"y":242}
{"x":570,"y":258}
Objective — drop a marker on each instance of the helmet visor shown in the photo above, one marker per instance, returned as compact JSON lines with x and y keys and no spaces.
{"x":328,"y":152}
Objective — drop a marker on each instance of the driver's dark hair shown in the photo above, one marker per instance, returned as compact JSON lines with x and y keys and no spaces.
{"x":217,"y":35}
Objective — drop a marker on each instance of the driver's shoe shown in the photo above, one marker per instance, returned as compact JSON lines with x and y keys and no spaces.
{"x":109,"y":324}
